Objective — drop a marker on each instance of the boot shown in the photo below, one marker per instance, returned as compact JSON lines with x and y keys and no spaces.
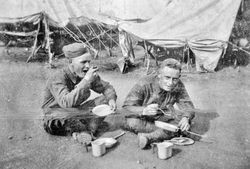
{"x":145,"y":139}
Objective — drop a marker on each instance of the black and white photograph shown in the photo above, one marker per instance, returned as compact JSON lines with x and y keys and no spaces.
{"x":124,"y":84}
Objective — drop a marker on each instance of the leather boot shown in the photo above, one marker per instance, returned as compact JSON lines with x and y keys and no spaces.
{"x":145,"y":139}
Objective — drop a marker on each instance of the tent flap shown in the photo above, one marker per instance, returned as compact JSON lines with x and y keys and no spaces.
{"x":203,"y":24}
{"x":189,"y":20}
{"x":207,"y":54}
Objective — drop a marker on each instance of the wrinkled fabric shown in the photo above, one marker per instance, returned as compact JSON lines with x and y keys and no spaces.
{"x":148,"y":91}
{"x":64,"y":121}
{"x":62,"y":11}
{"x":165,"y":23}
{"x":126,"y":46}
{"x":66,"y":106}
{"x":207,"y":54}
{"x":74,"y":50}
{"x":65,"y":90}
{"x":188,"y":23}
{"x":188,"y":20}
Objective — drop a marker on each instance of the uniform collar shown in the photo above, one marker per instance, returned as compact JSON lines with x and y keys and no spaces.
{"x":73,"y":77}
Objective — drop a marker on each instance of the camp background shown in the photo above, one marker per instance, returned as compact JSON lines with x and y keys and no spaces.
{"x":223,"y":95}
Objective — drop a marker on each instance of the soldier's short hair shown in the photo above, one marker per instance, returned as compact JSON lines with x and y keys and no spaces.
{"x":171,"y":63}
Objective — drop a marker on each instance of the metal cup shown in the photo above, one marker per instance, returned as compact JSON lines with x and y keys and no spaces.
{"x":164,"y":150}
{"x":98,"y":148}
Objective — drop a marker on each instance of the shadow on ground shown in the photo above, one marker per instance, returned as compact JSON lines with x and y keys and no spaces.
{"x":201,"y":122}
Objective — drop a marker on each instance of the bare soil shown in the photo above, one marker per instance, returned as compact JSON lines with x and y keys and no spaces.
{"x":223,"y":96}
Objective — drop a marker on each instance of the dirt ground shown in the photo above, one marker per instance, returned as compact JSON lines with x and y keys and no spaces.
{"x":223,"y":96}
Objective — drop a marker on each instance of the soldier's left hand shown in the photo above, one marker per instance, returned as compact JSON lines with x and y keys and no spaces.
{"x":112,"y":104}
{"x":184,"y":124}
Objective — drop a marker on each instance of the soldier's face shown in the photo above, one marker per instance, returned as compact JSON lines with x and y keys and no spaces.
{"x":168,"y":78}
{"x":81,"y":65}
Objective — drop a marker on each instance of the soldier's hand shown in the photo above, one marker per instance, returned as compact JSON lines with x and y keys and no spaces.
{"x":112,"y":104}
{"x":184,"y":124}
{"x":150,"y":110}
{"x":91,"y":73}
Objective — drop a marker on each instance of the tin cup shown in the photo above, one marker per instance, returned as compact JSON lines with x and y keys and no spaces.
{"x":98,"y":148}
{"x":164,"y":150}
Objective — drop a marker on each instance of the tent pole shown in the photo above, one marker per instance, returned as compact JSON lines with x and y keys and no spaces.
{"x":111,"y":41}
{"x":154,"y":57}
{"x":188,"y":59}
{"x":47,"y":32}
{"x":100,"y":47}
{"x":242,"y":5}
{"x":183,"y":54}
{"x":147,"y":60}
{"x":35,"y":44}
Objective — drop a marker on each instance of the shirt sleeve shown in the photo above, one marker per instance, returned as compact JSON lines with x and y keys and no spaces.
{"x":66,"y":98}
{"x":184,"y":102}
{"x":135,"y":96}
{"x":101,"y":86}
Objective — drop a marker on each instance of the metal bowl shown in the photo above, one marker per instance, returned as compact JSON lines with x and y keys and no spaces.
{"x":102,"y":110}
{"x":109,"y":142}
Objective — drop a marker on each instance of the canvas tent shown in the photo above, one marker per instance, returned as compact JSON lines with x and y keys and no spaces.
{"x":204,"y":26}
{"x":51,"y":13}
{"x":62,"y":10}
{"x":29,"y":28}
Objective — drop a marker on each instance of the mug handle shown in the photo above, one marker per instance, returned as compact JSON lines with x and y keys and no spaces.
{"x":153,"y":145}
{"x":86,"y":147}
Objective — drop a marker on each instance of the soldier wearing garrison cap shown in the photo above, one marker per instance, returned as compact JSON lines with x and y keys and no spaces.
{"x":66,"y":100}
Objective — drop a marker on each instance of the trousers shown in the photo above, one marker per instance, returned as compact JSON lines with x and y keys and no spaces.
{"x":146,"y":125}
{"x":65,"y":121}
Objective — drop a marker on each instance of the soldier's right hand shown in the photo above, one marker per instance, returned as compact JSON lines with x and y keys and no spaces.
{"x":150,"y":110}
{"x":90,"y":74}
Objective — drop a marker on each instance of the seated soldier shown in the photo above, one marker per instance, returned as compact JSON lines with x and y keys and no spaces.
{"x":66,"y":103}
{"x":159,"y":92}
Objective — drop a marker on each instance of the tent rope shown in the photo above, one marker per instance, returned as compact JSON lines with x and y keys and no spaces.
{"x":105,"y":32}
{"x":239,"y":48}
{"x":93,"y":31}
{"x":99,"y":35}
{"x":74,"y":36}
{"x":65,"y":29}
{"x":82,"y":35}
